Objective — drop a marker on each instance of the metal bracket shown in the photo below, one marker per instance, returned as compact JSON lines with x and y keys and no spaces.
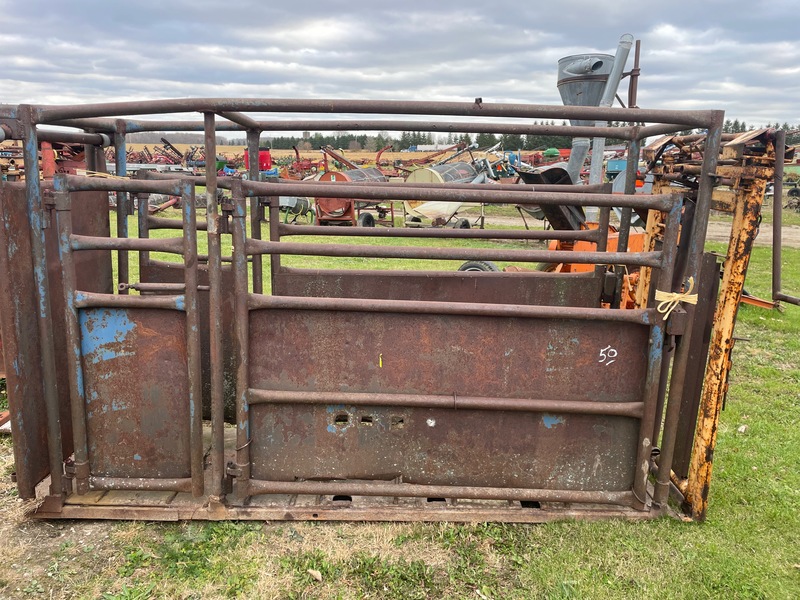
{"x":12,"y":127}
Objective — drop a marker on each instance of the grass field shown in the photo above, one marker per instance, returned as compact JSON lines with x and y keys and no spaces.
{"x":748,"y":548}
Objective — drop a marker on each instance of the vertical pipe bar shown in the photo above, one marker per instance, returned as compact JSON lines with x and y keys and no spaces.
{"x":121,"y":167}
{"x":37,"y":216}
{"x":274,"y":236}
{"x":654,"y":361}
{"x":242,"y":328}
{"x":255,"y":210}
{"x":777,"y":212}
{"x":695,"y":253}
{"x":77,"y":393}
{"x":631,"y":171}
{"x":215,"y":312}
{"x":194,"y":366}
{"x":144,"y":230}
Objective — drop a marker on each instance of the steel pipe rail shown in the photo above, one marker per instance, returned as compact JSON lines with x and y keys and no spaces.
{"x":84,"y":242}
{"x":139,"y":126}
{"x":76,"y":183}
{"x":639,"y":316}
{"x":360,"y":488}
{"x":641,"y":259}
{"x":588,"y":235}
{"x":469,"y":193}
{"x":452,"y":401}
{"x":95,"y":300}
{"x":141,"y":483}
{"x":55,"y":113}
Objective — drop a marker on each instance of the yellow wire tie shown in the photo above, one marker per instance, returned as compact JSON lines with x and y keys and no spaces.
{"x":669,"y":301}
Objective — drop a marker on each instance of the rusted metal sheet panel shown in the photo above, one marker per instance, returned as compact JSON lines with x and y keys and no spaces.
{"x":550,"y":289}
{"x":21,"y":342}
{"x":162,"y":272}
{"x":137,"y":413}
{"x":434,"y":354}
{"x":18,"y":318}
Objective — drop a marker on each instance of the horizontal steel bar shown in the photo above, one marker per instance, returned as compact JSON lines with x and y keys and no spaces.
{"x":76,"y":183}
{"x":165,"y":223}
{"x":72,"y":137}
{"x":787,"y":298}
{"x":402,"y":490}
{"x":154,"y":287}
{"x":244,"y":120}
{"x":472,"y":127}
{"x":621,"y":409}
{"x":638,"y":316}
{"x":589,"y":235}
{"x":86,"y":242}
{"x":141,"y":483}
{"x":465,"y":193}
{"x":93,"y":300}
{"x":53,"y":113}
{"x":597,"y":188}
{"x":643,"y":259}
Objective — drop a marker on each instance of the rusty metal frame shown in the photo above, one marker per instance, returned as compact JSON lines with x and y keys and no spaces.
{"x":641,"y":500}
{"x":75,"y":300}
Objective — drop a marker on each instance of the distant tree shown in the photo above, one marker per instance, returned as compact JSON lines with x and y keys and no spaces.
{"x":485,"y":140}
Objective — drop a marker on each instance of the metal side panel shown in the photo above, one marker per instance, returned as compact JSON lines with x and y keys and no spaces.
{"x":456,"y":355}
{"x":21,"y":342}
{"x":137,"y":391}
{"x":19,"y":330}
{"x":548,"y":289}
{"x":163,"y":272}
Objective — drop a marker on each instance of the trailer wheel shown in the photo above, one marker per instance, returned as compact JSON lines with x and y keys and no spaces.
{"x":366,"y":219}
{"x":461,"y":224}
{"x":547,"y":267}
{"x":478,"y":265}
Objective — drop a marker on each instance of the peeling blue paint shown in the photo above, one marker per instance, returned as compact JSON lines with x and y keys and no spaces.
{"x":102,"y":330}
{"x":137,"y":457}
{"x":180,"y":303}
{"x":551,"y":421}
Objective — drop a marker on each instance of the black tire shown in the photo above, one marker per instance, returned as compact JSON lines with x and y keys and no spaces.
{"x":478,"y":265}
{"x":794,"y":192}
{"x":461,"y":224}
{"x":366,"y":219}
{"x":546,"y":267}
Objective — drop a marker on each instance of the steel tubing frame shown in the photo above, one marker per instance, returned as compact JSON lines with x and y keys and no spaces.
{"x":84,"y":116}
{"x":777,"y":223}
{"x":75,"y":299}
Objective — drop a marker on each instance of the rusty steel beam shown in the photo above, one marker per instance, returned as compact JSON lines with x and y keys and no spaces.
{"x":121,"y":167}
{"x":746,"y":219}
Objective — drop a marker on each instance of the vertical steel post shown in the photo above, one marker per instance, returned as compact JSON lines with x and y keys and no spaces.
{"x":654,"y":362}
{"x":215,"y":311}
{"x":77,"y":392}
{"x":696,"y":246}
{"x":194,"y":365}
{"x":242,"y":330}
{"x":777,"y":213}
{"x":121,"y":167}
{"x":631,"y":170}
{"x":38,"y":218}
{"x":255,"y":210}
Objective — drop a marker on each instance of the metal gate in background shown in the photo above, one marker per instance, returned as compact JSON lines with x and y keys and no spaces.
{"x":366,"y":394}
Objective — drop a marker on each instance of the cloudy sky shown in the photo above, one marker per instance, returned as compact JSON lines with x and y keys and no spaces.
{"x":743,"y":57}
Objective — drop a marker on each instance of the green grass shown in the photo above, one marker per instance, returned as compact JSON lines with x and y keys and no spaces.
{"x":748,"y":548}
